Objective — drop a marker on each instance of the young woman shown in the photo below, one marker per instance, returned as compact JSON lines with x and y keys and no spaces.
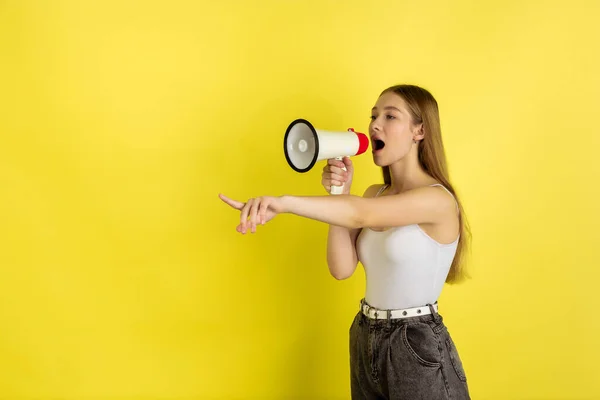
{"x":409,"y":233}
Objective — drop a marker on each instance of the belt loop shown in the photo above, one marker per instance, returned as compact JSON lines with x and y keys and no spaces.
{"x":365,"y":308}
{"x":434,"y":313}
{"x":389,"y":318}
{"x":361,"y":315}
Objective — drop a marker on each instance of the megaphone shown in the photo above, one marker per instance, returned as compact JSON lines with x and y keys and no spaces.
{"x":303,"y":146}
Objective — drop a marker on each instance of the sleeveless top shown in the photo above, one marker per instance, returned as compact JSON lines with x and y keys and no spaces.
{"x":404,"y":267}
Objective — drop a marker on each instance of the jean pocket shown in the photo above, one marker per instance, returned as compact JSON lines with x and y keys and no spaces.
{"x":422,"y":343}
{"x":455,"y":359}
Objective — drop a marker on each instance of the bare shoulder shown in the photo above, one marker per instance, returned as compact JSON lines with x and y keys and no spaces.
{"x":444,"y":197}
{"x":438,"y":198}
{"x":443,"y":204}
{"x":436,"y":195}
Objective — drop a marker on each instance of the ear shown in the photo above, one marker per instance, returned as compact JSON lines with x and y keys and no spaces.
{"x":418,"y":132}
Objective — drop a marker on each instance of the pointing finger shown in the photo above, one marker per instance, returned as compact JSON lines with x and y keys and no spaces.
{"x":238,"y":205}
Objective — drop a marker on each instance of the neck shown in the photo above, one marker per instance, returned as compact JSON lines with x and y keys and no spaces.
{"x":407,"y":173}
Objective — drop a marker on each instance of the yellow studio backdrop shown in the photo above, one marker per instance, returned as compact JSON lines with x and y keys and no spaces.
{"x":121,"y":273}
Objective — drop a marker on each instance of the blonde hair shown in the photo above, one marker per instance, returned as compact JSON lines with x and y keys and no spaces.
{"x":424,"y":109}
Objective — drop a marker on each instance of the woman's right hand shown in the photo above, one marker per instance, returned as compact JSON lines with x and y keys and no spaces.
{"x":334,"y":175}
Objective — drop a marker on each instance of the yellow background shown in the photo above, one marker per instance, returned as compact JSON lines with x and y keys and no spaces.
{"x":121,"y":274}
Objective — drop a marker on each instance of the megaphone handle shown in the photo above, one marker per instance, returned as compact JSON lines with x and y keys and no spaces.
{"x":338,"y":189}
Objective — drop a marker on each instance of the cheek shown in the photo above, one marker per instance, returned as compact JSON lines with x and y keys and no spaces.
{"x":400,"y":140}
{"x":402,"y":147}
{"x":398,"y":130}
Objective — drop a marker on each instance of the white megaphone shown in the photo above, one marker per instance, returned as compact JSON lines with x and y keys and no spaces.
{"x":304,"y":145}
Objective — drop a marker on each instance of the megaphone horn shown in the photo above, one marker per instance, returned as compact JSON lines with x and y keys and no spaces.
{"x":303,"y":146}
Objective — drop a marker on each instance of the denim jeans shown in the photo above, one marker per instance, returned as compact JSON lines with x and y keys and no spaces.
{"x":405,"y":358}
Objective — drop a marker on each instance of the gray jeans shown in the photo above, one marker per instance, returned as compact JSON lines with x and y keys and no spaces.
{"x":406,"y":358}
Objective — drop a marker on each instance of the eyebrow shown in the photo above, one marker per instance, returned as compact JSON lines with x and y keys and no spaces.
{"x":388,"y":108}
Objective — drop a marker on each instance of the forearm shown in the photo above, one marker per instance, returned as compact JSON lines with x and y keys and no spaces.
{"x":340,"y":210}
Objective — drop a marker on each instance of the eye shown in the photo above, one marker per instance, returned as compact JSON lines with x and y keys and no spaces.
{"x":373,"y":117}
{"x":390,"y":117}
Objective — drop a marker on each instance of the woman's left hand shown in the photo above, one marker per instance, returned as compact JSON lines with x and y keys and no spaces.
{"x":259,"y":210}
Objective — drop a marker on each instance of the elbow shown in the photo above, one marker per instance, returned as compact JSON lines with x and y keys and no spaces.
{"x":358,"y":222}
{"x":341,"y":271}
{"x":359,"y":216}
{"x":340,"y":276}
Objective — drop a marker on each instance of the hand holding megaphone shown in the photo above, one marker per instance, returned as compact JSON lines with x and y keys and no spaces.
{"x":337,"y":175}
{"x":303,"y":146}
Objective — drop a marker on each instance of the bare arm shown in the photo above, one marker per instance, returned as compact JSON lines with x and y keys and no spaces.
{"x":417,"y":206}
{"x":342,"y":257}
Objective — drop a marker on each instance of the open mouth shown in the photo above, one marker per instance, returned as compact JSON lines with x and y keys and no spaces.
{"x":378,"y":144}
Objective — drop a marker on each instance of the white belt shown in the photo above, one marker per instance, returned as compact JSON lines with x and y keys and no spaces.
{"x":375,"y":313}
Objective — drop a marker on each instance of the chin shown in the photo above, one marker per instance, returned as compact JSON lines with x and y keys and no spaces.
{"x":379,"y":161}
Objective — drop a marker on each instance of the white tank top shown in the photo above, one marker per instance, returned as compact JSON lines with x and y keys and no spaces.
{"x":404,"y":267}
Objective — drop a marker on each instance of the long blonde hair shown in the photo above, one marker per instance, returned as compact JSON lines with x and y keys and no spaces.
{"x":424,"y":109}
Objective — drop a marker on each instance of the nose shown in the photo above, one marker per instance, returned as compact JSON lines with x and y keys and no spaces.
{"x":375,"y":127}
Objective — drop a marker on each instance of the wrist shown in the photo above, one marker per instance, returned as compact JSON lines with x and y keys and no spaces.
{"x":284,"y":206}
